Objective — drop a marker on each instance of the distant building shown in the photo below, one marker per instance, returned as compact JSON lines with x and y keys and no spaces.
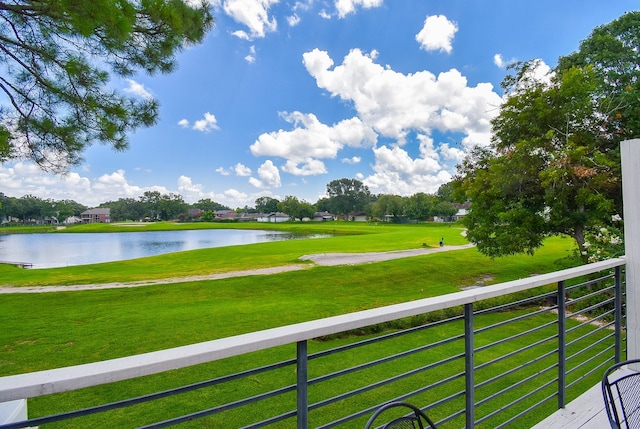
{"x":358,"y":217}
{"x":323,"y":217}
{"x":273,"y":217}
{"x":96,"y":216}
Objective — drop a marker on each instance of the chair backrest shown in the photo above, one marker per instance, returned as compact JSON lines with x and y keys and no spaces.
{"x":621,"y":392}
{"x":417,"y":419}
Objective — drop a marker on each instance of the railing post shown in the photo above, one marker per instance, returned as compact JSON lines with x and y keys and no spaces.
{"x":469,"y":366}
{"x":617,"y":299}
{"x":562,"y":345}
{"x":630,"y":156}
{"x":302,"y":385}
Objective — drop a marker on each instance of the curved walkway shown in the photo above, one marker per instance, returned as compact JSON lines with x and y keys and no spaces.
{"x":323,"y":259}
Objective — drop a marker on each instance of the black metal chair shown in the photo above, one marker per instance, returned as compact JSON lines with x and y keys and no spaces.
{"x":417,"y":419}
{"x":622,"y":396}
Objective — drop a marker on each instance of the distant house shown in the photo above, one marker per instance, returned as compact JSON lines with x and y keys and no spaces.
{"x":225,"y":214}
{"x":323,"y":217}
{"x":96,"y":216}
{"x":358,"y":216}
{"x":273,"y":217}
{"x":463,"y":210}
{"x":194,"y":213}
{"x":72,"y":220}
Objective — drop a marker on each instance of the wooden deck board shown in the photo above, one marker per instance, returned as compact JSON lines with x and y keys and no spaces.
{"x":585,"y":412}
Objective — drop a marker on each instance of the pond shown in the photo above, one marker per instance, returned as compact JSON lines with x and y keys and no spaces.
{"x":68,"y":249}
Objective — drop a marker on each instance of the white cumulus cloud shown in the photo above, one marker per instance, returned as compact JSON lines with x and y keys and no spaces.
{"x":137,"y":89}
{"x":205,"y":125}
{"x":254,"y":15}
{"x":437,"y":34}
{"x":242,"y":170}
{"x":268,"y":176}
{"x":345,"y":7}
{"x":408,"y":109}
{"x":310,"y":141}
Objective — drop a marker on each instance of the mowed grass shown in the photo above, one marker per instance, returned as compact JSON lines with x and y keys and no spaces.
{"x":50,"y":330}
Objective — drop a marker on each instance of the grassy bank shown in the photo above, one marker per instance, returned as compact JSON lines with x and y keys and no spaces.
{"x":49,"y":330}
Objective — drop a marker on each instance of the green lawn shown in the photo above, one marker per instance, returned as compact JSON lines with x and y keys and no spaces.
{"x":49,"y":330}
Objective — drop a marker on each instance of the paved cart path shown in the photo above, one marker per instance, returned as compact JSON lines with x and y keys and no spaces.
{"x":323,"y":259}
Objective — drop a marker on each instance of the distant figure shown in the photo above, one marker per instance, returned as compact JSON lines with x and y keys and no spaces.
{"x":442,"y":242}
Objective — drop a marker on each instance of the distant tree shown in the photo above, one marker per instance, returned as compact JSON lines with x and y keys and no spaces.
{"x":171,"y":206}
{"x":67,"y":208}
{"x":150,"y":200}
{"x":323,"y":205}
{"x":390,"y":205}
{"x":266,"y":205}
{"x":125,"y":209}
{"x":208,"y":204}
{"x":347,"y":195}
{"x":445,"y":192}
{"x":420,"y":205}
{"x":208,"y":216}
{"x":56,"y":59}
{"x":444,"y":209}
{"x":295,"y":208}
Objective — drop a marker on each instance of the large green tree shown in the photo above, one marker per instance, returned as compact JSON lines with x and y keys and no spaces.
{"x":295,"y":208}
{"x":390,"y":205}
{"x":57,"y":59}
{"x":553,"y":166}
{"x":266,"y":204}
{"x":347,"y":195}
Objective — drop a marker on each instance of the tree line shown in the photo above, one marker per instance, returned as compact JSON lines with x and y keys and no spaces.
{"x":345,"y":197}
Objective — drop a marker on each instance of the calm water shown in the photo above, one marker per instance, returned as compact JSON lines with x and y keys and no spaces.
{"x":62,"y":250}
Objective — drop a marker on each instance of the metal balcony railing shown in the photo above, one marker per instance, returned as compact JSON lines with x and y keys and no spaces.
{"x":494,"y":356}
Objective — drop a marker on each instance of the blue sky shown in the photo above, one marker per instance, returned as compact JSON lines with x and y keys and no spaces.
{"x":285,"y":96}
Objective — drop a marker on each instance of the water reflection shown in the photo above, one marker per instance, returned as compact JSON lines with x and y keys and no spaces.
{"x":68,"y":249}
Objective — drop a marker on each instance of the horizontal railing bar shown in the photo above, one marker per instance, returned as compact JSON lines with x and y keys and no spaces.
{"x":70,"y":378}
{"x":389,"y":358}
{"x":517,"y":401}
{"x":591,"y":346}
{"x":514,"y":319}
{"x":383,"y":383}
{"x":384,"y":337}
{"x":587,"y":335}
{"x":597,"y":368}
{"x":590,"y":321}
{"x":517,"y":384}
{"x":587,"y":361}
{"x":590,"y":282}
{"x":514,"y":369}
{"x":531,"y":408}
{"x":589,"y":309}
{"x":221,"y":408}
{"x":509,"y":305}
{"x":514,"y":336}
{"x":588,"y":296}
{"x":518,"y":351}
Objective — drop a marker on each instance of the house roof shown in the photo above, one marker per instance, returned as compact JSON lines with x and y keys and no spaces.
{"x":98,"y":211}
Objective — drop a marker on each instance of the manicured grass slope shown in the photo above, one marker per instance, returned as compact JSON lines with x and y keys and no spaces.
{"x":50,"y":330}
{"x":57,"y":329}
